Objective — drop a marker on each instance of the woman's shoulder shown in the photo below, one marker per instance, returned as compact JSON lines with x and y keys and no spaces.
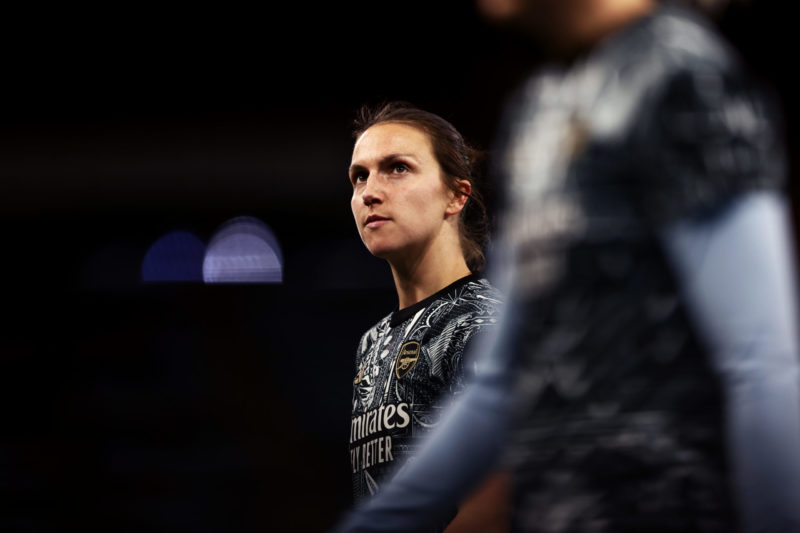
{"x":476,"y":297}
{"x":485,"y":288}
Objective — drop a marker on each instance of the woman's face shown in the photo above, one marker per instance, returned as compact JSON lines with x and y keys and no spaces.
{"x":399,"y":199}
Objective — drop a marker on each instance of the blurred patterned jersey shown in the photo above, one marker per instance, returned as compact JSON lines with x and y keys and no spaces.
{"x":620,"y":424}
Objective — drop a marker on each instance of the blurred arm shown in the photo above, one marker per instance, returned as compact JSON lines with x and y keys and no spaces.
{"x":737,"y":272}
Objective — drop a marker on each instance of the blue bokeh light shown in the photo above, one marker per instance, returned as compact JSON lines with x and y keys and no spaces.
{"x":175,"y":257}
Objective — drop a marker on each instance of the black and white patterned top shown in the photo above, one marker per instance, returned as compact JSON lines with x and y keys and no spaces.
{"x":620,"y":411}
{"x":408,"y":367}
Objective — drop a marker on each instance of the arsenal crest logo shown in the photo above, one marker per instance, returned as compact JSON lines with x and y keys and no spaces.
{"x":406,"y":359}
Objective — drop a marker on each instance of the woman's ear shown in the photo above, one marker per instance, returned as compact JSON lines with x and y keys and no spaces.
{"x":460,"y":198}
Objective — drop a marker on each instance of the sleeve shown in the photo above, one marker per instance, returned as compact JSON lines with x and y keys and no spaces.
{"x":463,"y":362}
{"x":458,"y":455}
{"x":710,"y":133}
{"x":737,"y":272}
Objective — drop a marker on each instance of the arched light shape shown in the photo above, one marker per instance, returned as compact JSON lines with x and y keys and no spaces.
{"x":243,"y":250}
{"x":175,"y":257}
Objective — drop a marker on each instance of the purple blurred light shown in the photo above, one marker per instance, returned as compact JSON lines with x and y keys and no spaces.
{"x":243,"y":250}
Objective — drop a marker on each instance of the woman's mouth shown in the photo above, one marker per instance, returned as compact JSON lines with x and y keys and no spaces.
{"x":375,"y":221}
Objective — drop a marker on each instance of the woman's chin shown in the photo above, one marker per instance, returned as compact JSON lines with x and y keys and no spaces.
{"x":384,"y":252}
{"x":379,"y":248}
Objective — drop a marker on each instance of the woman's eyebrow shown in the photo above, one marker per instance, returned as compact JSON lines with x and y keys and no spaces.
{"x":389,"y":157}
{"x":355,"y":168}
{"x":383,"y":160}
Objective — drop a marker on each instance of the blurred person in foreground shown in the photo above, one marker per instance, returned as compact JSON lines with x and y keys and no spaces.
{"x":416,"y":204}
{"x":644,"y":376}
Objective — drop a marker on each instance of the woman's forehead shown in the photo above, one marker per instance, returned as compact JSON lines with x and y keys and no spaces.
{"x":392,"y":137}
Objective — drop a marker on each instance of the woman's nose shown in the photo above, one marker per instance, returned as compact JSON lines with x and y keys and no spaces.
{"x":372,"y":193}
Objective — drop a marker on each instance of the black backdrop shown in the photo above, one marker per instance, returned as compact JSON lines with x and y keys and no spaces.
{"x":191,"y":407}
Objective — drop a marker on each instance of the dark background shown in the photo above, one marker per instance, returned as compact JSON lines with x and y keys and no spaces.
{"x":191,"y":407}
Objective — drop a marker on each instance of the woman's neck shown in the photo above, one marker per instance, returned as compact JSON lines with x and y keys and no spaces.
{"x":430,"y":274}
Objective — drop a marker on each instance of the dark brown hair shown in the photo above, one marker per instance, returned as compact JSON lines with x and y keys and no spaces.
{"x":457,"y":160}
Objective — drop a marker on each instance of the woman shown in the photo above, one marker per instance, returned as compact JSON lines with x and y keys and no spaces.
{"x":651,"y":329}
{"x":416,"y":206}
